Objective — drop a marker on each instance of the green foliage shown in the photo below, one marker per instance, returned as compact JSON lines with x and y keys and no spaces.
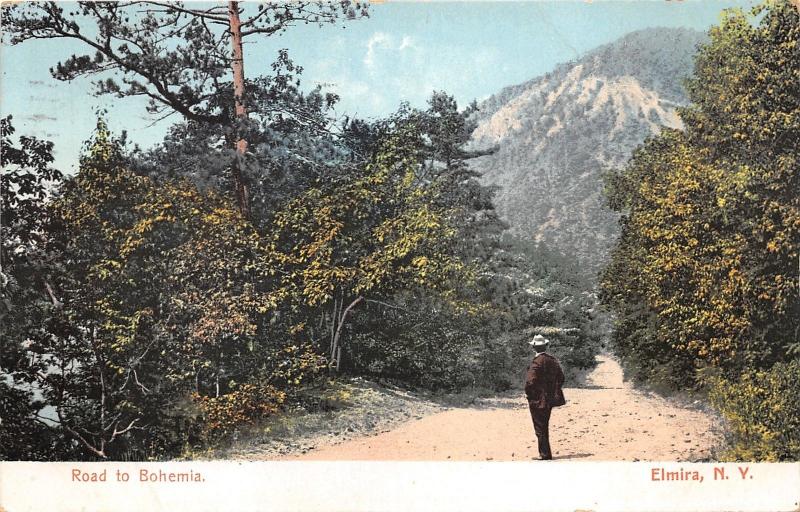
{"x":171,"y":306}
{"x":224,"y":415}
{"x":290,"y":145}
{"x":22,"y":435}
{"x":172,"y":54}
{"x":380,"y":241}
{"x":704,"y":278}
{"x":28,"y":265}
{"x":421,"y":340}
{"x":532,"y":290}
{"x":169,"y":320}
{"x":705,"y":272}
{"x":762,"y":409}
{"x":164,"y":293}
{"x":26,"y":182}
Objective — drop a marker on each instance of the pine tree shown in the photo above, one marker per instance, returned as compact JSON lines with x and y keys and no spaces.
{"x":174,"y":54}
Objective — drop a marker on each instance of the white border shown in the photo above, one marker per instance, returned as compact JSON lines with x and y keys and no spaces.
{"x":403,"y":486}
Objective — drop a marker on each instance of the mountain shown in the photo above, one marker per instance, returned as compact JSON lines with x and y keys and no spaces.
{"x":559,"y":132}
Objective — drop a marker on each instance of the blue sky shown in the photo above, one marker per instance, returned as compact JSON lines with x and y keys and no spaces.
{"x":402,"y":52}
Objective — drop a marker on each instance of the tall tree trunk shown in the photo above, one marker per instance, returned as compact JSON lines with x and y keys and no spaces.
{"x":242,"y":194}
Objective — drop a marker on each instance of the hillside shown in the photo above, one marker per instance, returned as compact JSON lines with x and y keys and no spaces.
{"x":557,"y":134}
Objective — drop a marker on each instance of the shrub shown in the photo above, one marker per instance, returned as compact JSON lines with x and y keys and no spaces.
{"x":224,"y":415}
{"x":762,"y":411}
{"x":296,"y":367}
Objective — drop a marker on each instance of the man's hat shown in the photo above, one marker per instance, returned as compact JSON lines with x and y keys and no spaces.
{"x":539,"y":341}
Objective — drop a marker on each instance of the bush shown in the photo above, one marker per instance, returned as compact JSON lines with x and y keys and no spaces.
{"x":296,"y":367}
{"x":225,"y":414}
{"x":762,"y":411}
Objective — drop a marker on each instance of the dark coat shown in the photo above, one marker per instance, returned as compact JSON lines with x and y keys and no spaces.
{"x":543,"y":382}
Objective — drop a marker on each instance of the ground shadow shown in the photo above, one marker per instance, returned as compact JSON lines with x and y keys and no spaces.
{"x":573,"y":456}
{"x":489,"y":404}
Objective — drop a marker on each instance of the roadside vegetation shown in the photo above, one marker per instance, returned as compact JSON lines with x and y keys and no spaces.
{"x":704,"y":283}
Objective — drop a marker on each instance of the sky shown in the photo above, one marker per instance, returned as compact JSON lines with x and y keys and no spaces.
{"x":402,"y":52}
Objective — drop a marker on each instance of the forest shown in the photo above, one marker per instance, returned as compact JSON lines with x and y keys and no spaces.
{"x":161,"y":299}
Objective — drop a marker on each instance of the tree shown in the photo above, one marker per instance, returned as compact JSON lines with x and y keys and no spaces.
{"x":428,"y":149}
{"x":179,"y":319}
{"x":26,"y":182}
{"x":752,"y":133}
{"x":448,"y":319}
{"x":292,"y":144}
{"x":28,"y":267}
{"x":171,"y":53}
{"x":705,"y":272}
{"x":365,"y":236}
{"x":162,"y":294}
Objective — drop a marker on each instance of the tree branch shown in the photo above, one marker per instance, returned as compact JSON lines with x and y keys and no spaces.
{"x":167,"y":7}
{"x":341,"y":324}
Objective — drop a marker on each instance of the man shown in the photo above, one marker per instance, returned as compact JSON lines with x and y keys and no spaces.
{"x":543,"y":389}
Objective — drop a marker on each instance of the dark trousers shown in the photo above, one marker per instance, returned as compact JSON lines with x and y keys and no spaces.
{"x":541,"y":425}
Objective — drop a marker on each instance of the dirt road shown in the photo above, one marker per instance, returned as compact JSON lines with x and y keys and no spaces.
{"x":605,"y":420}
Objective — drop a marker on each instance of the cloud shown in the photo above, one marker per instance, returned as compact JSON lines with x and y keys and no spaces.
{"x":388,"y":68}
{"x":378,"y":40}
{"x":407,"y":42}
{"x":381,"y":41}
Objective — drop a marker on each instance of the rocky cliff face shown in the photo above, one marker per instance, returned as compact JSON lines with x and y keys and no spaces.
{"x":557,"y":134}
